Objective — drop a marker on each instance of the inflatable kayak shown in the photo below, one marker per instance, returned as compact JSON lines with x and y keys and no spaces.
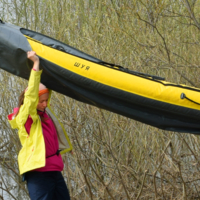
{"x":142,"y":97}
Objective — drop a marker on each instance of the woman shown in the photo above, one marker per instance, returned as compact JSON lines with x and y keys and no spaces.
{"x":42,"y":138}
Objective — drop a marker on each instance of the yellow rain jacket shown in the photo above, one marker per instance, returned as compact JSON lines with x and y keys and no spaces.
{"x":32,"y":153}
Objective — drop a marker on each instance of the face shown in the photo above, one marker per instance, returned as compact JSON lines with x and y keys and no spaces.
{"x":42,"y":104}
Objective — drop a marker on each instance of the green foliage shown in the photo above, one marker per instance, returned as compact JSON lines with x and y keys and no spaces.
{"x":114,"y":157}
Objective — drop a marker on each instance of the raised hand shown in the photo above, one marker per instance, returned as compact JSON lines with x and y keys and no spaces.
{"x":32,"y":56}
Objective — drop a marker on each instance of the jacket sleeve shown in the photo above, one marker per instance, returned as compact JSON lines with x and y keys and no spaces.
{"x":31,"y":98}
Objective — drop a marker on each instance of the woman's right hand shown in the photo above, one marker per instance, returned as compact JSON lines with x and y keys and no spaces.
{"x":32,"y":56}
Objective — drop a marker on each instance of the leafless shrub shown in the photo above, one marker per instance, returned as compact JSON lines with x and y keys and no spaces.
{"x":114,"y":157}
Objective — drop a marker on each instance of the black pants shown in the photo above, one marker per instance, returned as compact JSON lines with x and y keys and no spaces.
{"x":46,"y":186}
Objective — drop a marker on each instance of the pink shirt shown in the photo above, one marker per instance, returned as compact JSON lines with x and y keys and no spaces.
{"x":53,"y":163}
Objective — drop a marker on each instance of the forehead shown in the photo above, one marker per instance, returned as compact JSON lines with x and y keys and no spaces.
{"x":44,"y":96}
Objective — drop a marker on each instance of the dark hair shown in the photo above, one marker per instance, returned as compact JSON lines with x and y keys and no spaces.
{"x":20,"y":103}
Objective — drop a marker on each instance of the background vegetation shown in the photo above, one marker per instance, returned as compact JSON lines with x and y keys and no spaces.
{"x":114,"y":157}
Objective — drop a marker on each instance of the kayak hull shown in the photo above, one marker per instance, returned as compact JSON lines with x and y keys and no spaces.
{"x":95,"y":82}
